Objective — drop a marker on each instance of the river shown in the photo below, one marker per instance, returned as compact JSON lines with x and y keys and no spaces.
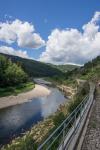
{"x":17,"y":119}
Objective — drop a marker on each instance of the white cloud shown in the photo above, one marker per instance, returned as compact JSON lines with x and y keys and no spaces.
{"x":73,"y":46}
{"x":21,"y":32}
{"x":12,"y":51}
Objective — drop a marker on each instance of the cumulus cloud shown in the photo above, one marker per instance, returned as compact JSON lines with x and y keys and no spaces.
{"x":72,"y":45}
{"x":12,"y":51}
{"x":21,"y":32}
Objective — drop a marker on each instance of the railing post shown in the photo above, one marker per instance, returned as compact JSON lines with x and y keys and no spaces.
{"x":63,"y":137}
{"x":75,"y":121}
{"x":81,"y":110}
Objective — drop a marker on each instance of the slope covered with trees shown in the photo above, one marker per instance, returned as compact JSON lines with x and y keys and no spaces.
{"x":13,"y":79}
{"x":65,"y":68}
{"x":35,"y":68}
{"x":11,"y":73}
{"x":90,"y":71}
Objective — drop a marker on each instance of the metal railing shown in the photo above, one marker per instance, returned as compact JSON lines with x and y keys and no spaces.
{"x":63,"y":134}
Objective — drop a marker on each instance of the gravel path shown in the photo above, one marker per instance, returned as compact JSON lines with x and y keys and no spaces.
{"x":92,"y":137}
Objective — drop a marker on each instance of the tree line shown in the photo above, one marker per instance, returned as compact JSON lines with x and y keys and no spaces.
{"x":11,"y":74}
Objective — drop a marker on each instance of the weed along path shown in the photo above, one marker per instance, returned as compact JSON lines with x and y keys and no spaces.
{"x":92,"y":136}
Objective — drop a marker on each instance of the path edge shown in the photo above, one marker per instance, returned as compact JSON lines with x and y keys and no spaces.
{"x":83,"y":131}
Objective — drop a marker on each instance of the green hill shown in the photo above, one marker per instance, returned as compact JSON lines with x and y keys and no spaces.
{"x":90,"y":70}
{"x":13,"y":79}
{"x":63,"y":72}
{"x":64,"y":68}
{"x":34,"y":68}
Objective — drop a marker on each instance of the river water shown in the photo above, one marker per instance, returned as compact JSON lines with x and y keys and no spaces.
{"x":16,"y":119}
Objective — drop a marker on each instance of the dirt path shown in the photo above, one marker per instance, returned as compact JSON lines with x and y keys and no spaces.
{"x":92,"y":137}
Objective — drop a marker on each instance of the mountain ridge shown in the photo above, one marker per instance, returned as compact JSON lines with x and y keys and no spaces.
{"x":34,"y":68}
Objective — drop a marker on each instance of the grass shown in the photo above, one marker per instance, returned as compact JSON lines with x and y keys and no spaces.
{"x":28,"y":142}
{"x":24,"y":87}
{"x":25,"y":143}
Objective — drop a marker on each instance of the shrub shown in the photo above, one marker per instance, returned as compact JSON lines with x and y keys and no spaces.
{"x":11,"y":73}
{"x":58,"y":118}
{"x":25,"y":143}
{"x":81,"y":93}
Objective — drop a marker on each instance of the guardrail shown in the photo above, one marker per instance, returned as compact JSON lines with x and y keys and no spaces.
{"x":61,"y":138}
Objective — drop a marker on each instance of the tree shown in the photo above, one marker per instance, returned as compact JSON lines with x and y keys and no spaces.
{"x":11,"y":73}
{"x":15,"y":75}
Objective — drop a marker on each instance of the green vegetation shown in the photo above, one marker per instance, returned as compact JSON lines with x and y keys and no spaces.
{"x":89,"y":72}
{"x":65,"y":68}
{"x":59,"y":73}
{"x":14,"y":90}
{"x":62,"y":80}
{"x":58,"y":118}
{"x":83,"y":90}
{"x":28,"y":140}
{"x":25,"y":143}
{"x":34,"y":68}
{"x":10,"y":73}
{"x":13,"y":80}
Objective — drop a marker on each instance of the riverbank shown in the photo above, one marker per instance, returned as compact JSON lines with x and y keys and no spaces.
{"x":68,"y":91}
{"x":36,"y":135}
{"x":38,"y":91}
{"x":41,"y":130}
{"x":17,"y":89}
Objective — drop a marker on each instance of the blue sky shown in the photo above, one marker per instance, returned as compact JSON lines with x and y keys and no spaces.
{"x":46,"y":16}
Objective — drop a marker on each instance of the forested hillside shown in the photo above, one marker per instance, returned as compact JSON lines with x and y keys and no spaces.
{"x":65,"y":68}
{"x":90,"y":70}
{"x":11,"y":73}
{"x":13,"y":79}
{"x":35,"y":68}
{"x":61,"y":73}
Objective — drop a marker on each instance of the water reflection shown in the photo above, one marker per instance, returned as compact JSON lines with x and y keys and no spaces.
{"x":14,"y":119}
{"x":50,"y":104}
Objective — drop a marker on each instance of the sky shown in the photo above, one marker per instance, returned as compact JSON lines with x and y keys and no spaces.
{"x":53,"y":31}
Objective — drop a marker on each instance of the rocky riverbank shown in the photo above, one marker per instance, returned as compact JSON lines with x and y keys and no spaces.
{"x":69,"y":92}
